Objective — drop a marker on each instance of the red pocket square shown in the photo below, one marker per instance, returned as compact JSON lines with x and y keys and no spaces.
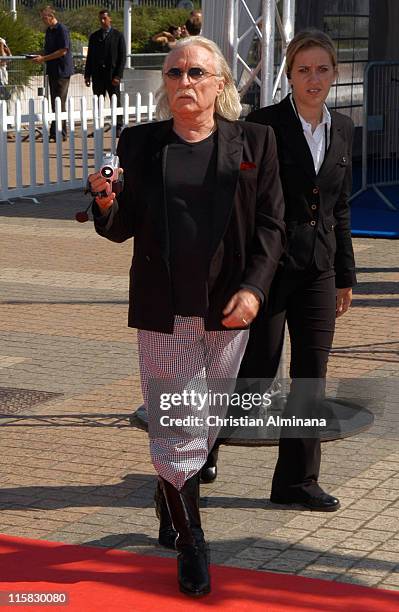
{"x":247,"y":165}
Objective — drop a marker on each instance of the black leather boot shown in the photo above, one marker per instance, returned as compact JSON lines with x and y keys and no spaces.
{"x":192,"y":554}
{"x":209,"y":470}
{"x":167,"y":535}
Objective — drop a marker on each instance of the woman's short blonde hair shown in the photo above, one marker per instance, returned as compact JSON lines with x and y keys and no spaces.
{"x":305,"y":40}
{"x":227,"y":103}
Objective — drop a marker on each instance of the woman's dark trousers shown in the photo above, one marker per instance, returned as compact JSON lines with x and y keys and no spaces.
{"x":306,"y":301}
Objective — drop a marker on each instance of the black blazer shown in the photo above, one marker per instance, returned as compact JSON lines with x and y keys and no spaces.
{"x":317,"y":210}
{"x":114,"y":54}
{"x":246,"y":228}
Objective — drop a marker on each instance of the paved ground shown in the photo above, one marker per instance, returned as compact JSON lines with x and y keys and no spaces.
{"x":75,"y":471}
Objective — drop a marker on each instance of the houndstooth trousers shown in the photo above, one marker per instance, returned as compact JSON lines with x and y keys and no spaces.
{"x":189,"y":359}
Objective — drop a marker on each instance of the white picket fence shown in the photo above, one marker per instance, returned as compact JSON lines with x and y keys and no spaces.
{"x":29,"y":165}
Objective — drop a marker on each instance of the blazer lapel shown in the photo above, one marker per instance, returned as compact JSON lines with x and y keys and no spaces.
{"x":229,"y":155}
{"x":336,"y":148}
{"x":156,"y":185}
{"x":294,"y":137}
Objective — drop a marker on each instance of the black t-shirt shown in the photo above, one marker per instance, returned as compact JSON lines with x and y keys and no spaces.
{"x":190,"y":183}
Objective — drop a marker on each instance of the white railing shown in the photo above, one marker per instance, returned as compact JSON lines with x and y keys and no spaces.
{"x":116,"y":5}
{"x":30,"y":165}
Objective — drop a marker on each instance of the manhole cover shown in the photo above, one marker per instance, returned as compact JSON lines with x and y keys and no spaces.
{"x":13,"y":401}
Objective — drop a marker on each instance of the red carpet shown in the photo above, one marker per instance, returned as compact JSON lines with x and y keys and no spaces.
{"x":103,"y":580}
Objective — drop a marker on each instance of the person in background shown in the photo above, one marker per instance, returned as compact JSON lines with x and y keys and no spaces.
{"x":313,"y":285}
{"x":105,"y":62}
{"x":202,"y":198}
{"x":59,"y":63}
{"x":193,"y":26}
{"x":183,"y":31}
{"x":169,"y":37}
{"x":196,"y":15}
{"x":4,"y":52}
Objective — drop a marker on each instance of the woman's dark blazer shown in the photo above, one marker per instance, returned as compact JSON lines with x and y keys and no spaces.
{"x":317,"y":210}
{"x":246,"y":229}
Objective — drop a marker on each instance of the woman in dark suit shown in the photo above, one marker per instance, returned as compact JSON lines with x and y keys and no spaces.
{"x":313,"y":284}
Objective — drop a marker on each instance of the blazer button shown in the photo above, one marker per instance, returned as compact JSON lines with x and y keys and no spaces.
{"x":313,"y":207}
{"x":316,"y":190}
{"x":148,"y":258}
{"x":313,"y":223}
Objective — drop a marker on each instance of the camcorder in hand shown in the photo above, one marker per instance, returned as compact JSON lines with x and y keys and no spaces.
{"x":109,"y":169}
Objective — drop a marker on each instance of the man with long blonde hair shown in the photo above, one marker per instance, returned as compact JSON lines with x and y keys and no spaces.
{"x":203,"y":200}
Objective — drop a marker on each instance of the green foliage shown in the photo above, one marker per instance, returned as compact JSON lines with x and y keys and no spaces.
{"x":146,"y":21}
{"x":20,"y":38}
{"x":85,"y":21}
{"x":26,"y":35}
{"x":78,"y":41}
{"x":37,"y":42}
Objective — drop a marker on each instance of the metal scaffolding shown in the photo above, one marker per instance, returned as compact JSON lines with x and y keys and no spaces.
{"x":239,"y":27}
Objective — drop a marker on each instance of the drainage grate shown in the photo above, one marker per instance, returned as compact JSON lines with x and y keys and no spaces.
{"x":13,"y":401}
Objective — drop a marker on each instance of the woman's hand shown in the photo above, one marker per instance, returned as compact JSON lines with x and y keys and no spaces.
{"x":343,"y":301}
{"x":241,"y":309}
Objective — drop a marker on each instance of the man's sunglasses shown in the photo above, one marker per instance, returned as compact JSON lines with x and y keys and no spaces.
{"x":195,"y":73}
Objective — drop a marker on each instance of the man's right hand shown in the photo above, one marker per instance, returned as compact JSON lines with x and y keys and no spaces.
{"x":98,"y":184}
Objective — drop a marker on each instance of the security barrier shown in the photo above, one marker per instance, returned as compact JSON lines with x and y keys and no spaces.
{"x":380,"y":151}
{"x":24,"y":79}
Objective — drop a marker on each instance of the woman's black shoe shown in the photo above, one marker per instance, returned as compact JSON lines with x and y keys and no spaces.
{"x":317,"y":500}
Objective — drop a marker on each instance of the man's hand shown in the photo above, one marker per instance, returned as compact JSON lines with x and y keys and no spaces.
{"x":39,"y":59}
{"x":241,"y":309}
{"x":116,"y":81}
{"x":343,"y":301}
{"x":99,"y":184}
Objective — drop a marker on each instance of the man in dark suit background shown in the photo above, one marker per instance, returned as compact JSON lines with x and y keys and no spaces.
{"x":106,"y":58}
